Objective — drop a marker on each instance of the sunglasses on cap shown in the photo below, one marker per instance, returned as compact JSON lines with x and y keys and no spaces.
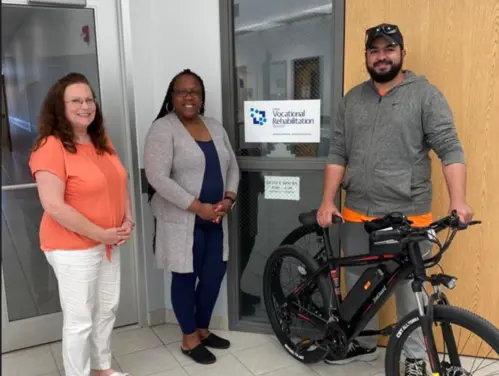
{"x":388,"y":31}
{"x":383,"y":28}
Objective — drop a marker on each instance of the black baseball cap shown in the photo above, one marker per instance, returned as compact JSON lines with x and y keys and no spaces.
{"x":390,"y":33}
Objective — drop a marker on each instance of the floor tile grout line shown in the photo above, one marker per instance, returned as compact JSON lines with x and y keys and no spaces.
{"x":157,"y":335}
{"x":277,"y":369}
{"x":113,"y":354}
{"x":313,"y":370}
{"x":162,"y":344}
{"x":137,"y":351}
{"x":269,"y":339}
{"x":251,"y":347}
{"x":240,"y":362}
{"x":53,"y":356}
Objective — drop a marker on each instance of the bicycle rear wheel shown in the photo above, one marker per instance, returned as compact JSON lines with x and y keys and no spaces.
{"x":310,"y":239}
{"x":455,"y":330}
{"x":306,"y":346}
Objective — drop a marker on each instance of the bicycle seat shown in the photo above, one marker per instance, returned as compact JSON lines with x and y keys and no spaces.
{"x":310,"y":218}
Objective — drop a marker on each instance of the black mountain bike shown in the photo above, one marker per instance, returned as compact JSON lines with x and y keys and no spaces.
{"x":330,"y":323}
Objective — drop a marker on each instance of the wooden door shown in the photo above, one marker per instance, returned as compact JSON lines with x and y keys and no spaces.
{"x":456,"y":45}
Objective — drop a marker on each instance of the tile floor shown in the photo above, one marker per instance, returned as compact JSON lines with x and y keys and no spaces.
{"x":156,"y":352}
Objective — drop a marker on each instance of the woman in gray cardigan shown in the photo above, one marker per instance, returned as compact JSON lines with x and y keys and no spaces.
{"x":193,"y":177}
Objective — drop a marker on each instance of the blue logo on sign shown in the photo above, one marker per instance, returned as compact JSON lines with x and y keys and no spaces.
{"x":258,"y":116}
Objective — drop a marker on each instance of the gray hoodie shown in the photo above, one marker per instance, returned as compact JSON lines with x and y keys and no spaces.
{"x":385,"y":141}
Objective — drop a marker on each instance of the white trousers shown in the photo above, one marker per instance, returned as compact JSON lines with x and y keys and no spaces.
{"x":89,"y":289}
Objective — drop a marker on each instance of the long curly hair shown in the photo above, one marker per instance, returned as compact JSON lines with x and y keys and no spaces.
{"x":52,"y":120}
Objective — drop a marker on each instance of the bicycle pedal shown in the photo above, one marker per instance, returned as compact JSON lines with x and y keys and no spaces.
{"x":306,"y":344}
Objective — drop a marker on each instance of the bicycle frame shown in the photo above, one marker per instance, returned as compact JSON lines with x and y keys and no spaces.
{"x":332,"y":268}
{"x":409,"y":262}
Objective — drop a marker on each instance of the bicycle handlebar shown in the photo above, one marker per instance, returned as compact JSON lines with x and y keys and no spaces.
{"x":406,"y":233}
{"x":405,"y":228}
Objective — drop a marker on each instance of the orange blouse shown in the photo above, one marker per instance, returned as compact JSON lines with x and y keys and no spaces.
{"x":95,"y":187}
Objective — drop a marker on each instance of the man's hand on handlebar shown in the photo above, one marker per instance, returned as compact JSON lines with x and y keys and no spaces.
{"x":326,"y":212}
{"x":463,"y":210}
{"x":452,"y":221}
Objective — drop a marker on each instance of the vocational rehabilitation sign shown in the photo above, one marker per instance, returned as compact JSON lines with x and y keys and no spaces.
{"x":292,"y":121}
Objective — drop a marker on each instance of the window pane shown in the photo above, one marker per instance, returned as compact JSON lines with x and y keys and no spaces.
{"x":263,"y":225}
{"x":284,"y":52}
{"x":34,"y":55}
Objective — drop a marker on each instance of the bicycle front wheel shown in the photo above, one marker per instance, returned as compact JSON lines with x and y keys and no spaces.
{"x":467,"y":345}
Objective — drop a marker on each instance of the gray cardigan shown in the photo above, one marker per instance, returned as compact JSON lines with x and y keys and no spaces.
{"x":174,"y":165}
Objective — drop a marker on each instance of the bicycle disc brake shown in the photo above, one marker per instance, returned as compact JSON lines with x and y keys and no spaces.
{"x":450,"y":370}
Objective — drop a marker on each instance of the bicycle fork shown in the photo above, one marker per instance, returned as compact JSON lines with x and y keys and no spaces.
{"x":426,"y":311}
{"x":426,"y":320}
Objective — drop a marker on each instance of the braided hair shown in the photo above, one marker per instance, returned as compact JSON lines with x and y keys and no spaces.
{"x":167,"y":105}
{"x":166,"y":108}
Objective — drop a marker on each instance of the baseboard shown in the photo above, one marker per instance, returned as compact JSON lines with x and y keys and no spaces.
{"x":157,"y":317}
{"x":217,"y":322}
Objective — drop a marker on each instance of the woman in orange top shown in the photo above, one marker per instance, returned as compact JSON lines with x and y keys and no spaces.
{"x":83,"y":189}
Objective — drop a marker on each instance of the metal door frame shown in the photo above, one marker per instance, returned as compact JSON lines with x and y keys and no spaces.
{"x":229,"y":112}
{"x":112,"y":29}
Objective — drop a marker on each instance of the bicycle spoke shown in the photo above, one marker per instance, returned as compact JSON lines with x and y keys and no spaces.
{"x":483,"y":363}
{"x":478,"y":352}
{"x":467,"y":341}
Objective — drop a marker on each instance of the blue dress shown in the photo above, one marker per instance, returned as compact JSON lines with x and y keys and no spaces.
{"x":212,"y":190}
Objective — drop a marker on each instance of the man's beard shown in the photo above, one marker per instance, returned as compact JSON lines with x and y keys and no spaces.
{"x":385,"y":76}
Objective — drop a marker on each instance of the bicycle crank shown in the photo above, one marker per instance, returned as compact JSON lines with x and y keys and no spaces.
{"x":337,"y":342}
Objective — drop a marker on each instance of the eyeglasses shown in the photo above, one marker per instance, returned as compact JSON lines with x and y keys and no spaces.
{"x":78,"y":102}
{"x":184,"y":93}
{"x":385,"y":29}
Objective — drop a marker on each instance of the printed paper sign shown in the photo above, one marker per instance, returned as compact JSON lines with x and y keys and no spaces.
{"x":283,"y":121}
{"x":282,"y":188}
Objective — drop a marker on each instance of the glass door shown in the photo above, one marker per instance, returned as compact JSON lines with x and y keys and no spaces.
{"x":300,"y":55}
{"x":39,"y":45}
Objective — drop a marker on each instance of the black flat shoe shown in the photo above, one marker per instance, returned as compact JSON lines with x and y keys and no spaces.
{"x":200,"y":354}
{"x":215,"y":342}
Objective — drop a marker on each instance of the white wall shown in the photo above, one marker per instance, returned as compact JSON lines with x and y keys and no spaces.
{"x":169,"y":36}
{"x":165,"y":44}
